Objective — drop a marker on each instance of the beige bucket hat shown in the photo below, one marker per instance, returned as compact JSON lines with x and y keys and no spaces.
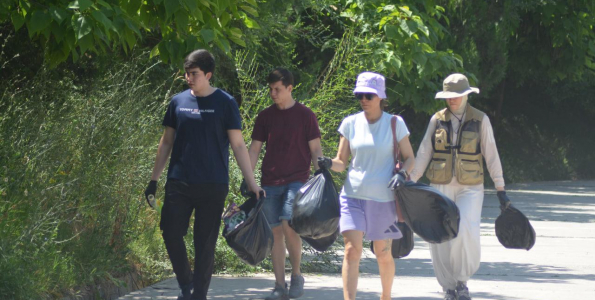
{"x":455,"y":85}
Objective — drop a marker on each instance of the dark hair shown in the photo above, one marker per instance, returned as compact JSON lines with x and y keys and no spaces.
{"x":280,"y":74}
{"x":201,"y":59}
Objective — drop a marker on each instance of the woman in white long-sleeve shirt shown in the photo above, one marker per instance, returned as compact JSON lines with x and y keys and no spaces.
{"x":457,"y":140}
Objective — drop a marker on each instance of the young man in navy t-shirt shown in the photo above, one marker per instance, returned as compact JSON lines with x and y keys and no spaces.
{"x":290,"y":131}
{"x":200,"y":125}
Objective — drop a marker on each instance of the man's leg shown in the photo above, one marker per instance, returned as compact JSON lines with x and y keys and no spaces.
{"x":272,"y":208}
{"x":386,"y":266}
{"x":175,"y":218}
{"x":293,"y":241}
{"x":278,"y":255}
{"x":209,"y":202}
{"x":353,"y":253}
{"x":294,"y":247}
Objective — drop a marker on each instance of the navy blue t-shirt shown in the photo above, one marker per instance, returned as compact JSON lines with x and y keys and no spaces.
{"x":201,"y":147}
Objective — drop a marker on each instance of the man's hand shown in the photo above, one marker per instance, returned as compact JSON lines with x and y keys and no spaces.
{"x":325,"y":163}
{"x":504,"y":201}
{"x":150,"y":193}
{"x":398,"y":180}
{"x":257,"y":190}
{"x":244,"y":188}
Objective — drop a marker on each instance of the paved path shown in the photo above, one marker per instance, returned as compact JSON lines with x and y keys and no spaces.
{"x":561,"y":265}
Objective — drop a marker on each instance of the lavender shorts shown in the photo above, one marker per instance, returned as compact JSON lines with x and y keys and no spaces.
{"x":376,"y":219}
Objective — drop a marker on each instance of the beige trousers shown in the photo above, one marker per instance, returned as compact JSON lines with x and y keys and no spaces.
{"x":458,"y":259}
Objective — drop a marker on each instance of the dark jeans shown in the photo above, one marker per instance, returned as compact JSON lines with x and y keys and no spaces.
{"x":207,"y":200}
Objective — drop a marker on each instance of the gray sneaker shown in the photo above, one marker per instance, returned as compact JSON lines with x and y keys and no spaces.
{"x":462,"y":291}
{"x":296,"y":289}
{"x":279,"y":293}
{"x":450,"y":295}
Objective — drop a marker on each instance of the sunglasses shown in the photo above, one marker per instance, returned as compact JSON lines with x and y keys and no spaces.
{"x":368,"y":96}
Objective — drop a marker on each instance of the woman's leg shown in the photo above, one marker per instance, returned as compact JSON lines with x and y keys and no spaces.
{"x":353,"y":253}
{"x":386,"y":266}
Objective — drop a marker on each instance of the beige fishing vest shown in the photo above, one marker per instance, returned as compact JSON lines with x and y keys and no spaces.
{"x":462,"y":159}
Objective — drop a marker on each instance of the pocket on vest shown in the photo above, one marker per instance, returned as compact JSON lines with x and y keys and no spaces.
{"x":438,"y":171}
{"x":469,"y":142}
{"x":469,"y":172}
{"x":441,"y":140}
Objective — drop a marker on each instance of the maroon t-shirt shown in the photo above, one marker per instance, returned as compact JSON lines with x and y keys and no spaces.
{"x":286,"y":134}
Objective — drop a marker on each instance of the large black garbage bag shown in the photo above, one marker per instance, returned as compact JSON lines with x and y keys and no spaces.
{"x":322,"y":244}
{"x":514,"y":230}
{"x":429,"y":213}
{"x":403,"y":246}
{"x":316,"y":208}
{"x":252,"y":240}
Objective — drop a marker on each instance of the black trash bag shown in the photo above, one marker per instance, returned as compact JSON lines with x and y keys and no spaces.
{"x":513,"y":229}
{"x":403,"y":246}
{"x":322,"y":244}
{"x":429,"y":213}
{"x":316,"y":209}
{"x":252,"y":240}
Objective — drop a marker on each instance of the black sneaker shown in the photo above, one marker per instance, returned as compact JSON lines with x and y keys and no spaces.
{"x":462,"y":291}
{"x":185,"y":292}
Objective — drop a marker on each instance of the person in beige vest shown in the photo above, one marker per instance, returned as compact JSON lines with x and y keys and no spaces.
{"x":457,"y":140}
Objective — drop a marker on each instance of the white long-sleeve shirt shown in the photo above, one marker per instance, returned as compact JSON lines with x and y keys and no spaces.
{"x":488,"y":150}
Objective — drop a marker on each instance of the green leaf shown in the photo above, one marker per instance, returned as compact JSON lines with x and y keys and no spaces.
{"x":130,"y":38}
{"x":154,"y":51}
{"x":132,"y":6}
{"x":405,"y":28}
{"x":208,"y":35}
{"x":163,"y":53}
{"x":223,"y":44}
{"x":224,"y":19}
{"x":101,"y":18}
{"x":182,"y":21}
{"x":391,"y":32}
{"x":80,"y":4}
{"x":39,"y":21}
{"x":105,"y":4}
{"x":86,"y":43}
{"x":192,"y":5}
{"x":205,"y":3}
{"x":198,"y":15}
{"x":133,"y":27}
{"x":406,"y":10}
{"x":236,"y":32}
{"x":420,"y":59}
{"x":171,"y":6}
{"x":252,"y":2}
{"x":58,"y":31}
{"x":425,"y":47}
{"x":237,"y":41}
{"x":17,"y":20}
{"x":251,"y":23}
{"x":83,"y":27}
{"x":58,"y":14}
{"x":250,"y":10}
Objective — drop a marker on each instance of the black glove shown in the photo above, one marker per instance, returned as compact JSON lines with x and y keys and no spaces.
{"x":244,"y":189}
{"x":150,"y":193}
{"x":504,"y":201}
{"x":325,"y":163}
{"x":398,"y":180}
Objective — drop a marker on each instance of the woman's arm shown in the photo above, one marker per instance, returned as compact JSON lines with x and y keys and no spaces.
{"x":407,"y":154}
{"x":341,"y":162}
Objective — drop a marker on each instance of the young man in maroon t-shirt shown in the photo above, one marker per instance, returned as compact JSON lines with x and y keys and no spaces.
{"x":290,"y":131}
